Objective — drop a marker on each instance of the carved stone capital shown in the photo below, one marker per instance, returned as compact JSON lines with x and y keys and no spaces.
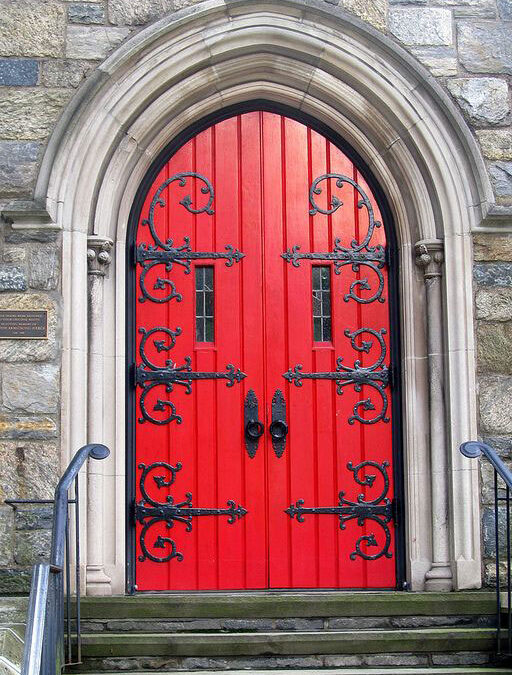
{"x":430,"y":256}
{"x":98,"y":255}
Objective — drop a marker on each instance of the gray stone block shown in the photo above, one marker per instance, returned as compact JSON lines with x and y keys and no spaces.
{"x":496,"y":144}
{"x":343,"y":661}
{"x":86,"y":12}
{"x":16,"y":351}
{"x":44,"y":268}
{"x":396,"y":660}
{"x":355,"y":622}
{"x":421,"y":26}
{"x":6,"y":536}
{"x":30,"y":114}
{"x":494,"y":304}
{"x":441,"y":61}
{"x":493,"y":274}
{"x":27,"y":427}
{"x":460,"y":659}
{"x":129,"y":13}
{"x":18,"y":72}
{"x":373,"y":12}
{"x":36,"y":517}
{"x":31,"y":388}
{"x":18,"y":166}
{"x":485,"y":47}
{"x":93,"y":42}
{"x":28,"y":469}
{"x":15,"y":581}
{"x":27,"y":236}
{"x":483,"y":100}
{"x":505,"y":9}
{"x":31,"y":28}
{"x":14,"y":255}
{"x":501,"y":178}
{"x":12,"y":279}
{"x":492,"y":246}
{"x":65,"y":72}
{"x":488,"y":530}
{"x":31,"y":547}
{"x":494,"y":342}
{"x":495,"y":404}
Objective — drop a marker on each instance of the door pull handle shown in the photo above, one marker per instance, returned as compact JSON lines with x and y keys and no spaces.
{"x":253,"y":428}
{"x":278,"y":428}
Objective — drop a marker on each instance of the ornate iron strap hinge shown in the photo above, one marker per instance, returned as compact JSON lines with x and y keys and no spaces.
{"x":375,"y":376}
{"x":149,"y":512}
{"x":149,"y":375}
{"x":379,"y":510}
{"x":164,"y":253}
{"x":358,"y":254}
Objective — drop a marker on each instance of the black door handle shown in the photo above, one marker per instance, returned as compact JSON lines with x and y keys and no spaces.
{"x":278,"y":428}
{"x":253,"y":428}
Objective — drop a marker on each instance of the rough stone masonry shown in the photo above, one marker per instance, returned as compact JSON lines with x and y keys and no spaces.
{"x":48,"y":48}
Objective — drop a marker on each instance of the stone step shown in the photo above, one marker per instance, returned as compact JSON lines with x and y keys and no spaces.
{"x":434,"y":670}
{"x":275,"y":604}
{"x":288,"y":643}
{"x":283,"y":624}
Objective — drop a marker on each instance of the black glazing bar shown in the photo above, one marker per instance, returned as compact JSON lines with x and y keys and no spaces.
{"x":497,"y":543}
{"x":77,"y":575}
{"x":509,"y":593}
{"x":68,"y":594}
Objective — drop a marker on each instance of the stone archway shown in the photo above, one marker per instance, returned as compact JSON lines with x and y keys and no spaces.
{"x":372,"y":93}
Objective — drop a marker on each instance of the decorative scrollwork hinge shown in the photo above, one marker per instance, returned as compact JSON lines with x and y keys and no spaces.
{"x":163,"y":252}
{"x":149,"y":512}
{"x":379,"y":510}
{"x":360,"y":255}
{"x":375,"y":376}
{"x":149,"y":375}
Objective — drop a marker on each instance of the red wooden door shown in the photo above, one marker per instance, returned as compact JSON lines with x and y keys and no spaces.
{"x":263,"y":407}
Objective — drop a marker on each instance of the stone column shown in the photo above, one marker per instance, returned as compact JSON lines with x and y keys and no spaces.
{"x":98,"y":260}
{"x":429,"y":256}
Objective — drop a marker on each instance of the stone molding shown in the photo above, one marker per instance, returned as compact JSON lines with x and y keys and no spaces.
{"x":388,"y":108}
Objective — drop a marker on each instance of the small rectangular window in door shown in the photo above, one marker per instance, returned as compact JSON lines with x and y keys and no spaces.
{"x":322,"y":303}
{"x":204,"y":304}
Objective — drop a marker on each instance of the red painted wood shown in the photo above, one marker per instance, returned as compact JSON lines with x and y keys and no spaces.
{"x":261,"y":166}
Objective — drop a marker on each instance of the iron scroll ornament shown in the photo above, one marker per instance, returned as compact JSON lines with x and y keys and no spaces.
{"x":149,"y":512}
{"x":165,"y":253}
{"x":376,"y":376}
{"x":149,"y":375}
{"x":378,"y":510}
{"x":359,"y":254}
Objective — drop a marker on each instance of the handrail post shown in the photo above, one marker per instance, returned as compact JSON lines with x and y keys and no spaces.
{"x":473,"y":450}
{"x":44,"y":637}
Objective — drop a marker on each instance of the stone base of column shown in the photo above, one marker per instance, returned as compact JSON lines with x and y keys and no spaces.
{"x":439,"y":578}
{"x":97,"y":582}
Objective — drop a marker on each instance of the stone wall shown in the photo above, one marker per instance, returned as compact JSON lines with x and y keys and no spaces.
{"x":49,"y":47}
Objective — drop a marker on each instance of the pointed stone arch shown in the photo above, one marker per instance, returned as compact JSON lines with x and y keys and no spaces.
{"x":319,"y":60}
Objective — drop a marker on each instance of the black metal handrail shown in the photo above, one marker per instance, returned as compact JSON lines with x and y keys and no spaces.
{"x":48,"y":636}
{"x":474,"y":449}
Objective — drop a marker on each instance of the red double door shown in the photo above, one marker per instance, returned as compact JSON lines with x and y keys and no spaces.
{"x":262,"y":399}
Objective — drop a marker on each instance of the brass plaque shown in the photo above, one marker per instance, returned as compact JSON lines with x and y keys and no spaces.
{"x":23,"y":324}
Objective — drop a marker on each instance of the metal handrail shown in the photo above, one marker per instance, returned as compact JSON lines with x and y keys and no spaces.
{"x":472,"y":450}
{"x":44,"y":650}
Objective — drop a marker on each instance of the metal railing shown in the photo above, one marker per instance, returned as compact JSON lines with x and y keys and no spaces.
{"x":49,"y":638}
{"x":502,"y":487}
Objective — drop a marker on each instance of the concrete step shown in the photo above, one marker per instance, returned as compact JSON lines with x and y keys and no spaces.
{"x":287,"y":643}
{"x":275,"y":604}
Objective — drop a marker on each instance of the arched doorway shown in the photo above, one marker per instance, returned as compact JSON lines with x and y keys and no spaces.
{"x":264,"y":413}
